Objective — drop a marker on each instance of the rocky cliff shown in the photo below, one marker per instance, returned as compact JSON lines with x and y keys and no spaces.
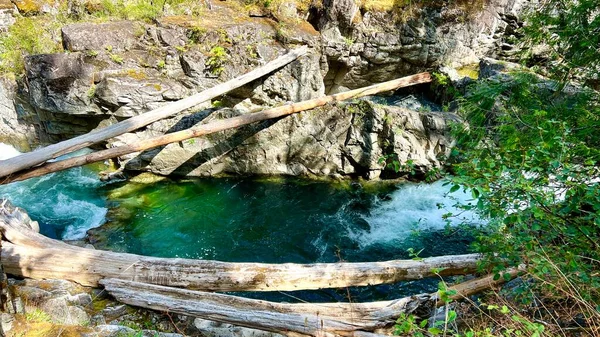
{"x":117,"y":69}
{"x":359,"y":139}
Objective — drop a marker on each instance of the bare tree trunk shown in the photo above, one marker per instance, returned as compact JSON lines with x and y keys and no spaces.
{"x":312,"y":319}
{"x":29,"y":254}
{"x":216,"y":126}
{"x":39,"y":156}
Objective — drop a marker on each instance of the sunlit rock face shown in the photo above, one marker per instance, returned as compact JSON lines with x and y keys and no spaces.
{"x":121,"y":69}
{"x":115,"y":70}
{"x":365,"y":47}
{"x":348,"y":140}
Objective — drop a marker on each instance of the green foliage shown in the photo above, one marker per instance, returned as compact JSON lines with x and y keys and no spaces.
{"x":412,"y":326}
{"x":531,"y":156}
{"x":116,"y":58}
{"x":415,"y":254}
{"x":143,"y":10}
{"x":216,"y":60}
{"x":440,"y":79}
{"x":517,"y":325}
{"x":28,"y":36}
{"x":571,"y":30}
{"x":91,"y":91}
{"x":38,"y":315}
{"x":407,"y":325}
{"x":534,"y":168}
{"x":251,"y":51}
{"x":392,"y":162}
{"x":195,"y":34}
{"x":224,"y":37}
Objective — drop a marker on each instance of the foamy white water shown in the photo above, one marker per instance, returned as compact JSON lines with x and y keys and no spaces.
{"x":7,"y":151}
{"x":413,"y":207}
{"x":65,"y":203}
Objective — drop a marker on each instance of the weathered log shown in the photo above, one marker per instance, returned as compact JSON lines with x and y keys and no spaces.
{"x":480,"y":284}
{"x":88,"y":266}
{"x":216,"y":126}
{"x":312,"y":319}
{"x":318,"y":319}
{"x":26,"y":253}
{"x":41,"y":155}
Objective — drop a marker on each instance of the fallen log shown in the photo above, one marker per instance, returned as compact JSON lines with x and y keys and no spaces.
{"x":220,"y":125}
{"x":41,"y":155}
{"x":311,"y":319}
{"x":88,"y":266}
{"x":26,"y":253}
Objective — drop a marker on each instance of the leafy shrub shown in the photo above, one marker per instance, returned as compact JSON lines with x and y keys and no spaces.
{"x":216,"y":61}
{"x":531,"y":155}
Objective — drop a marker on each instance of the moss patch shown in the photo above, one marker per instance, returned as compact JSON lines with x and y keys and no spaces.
{"x":28,"y":7}
{"x":136,"y":74}
{"x":470,"y":70}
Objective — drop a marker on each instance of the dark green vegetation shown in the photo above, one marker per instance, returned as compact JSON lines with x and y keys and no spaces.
{"x":531,"y":157}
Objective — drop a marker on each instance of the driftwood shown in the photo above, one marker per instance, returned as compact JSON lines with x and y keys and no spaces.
{"x":39,"y":156}
{"x":312,"y":319}
{"x":27,"y":253}
{"x":216,"y":126}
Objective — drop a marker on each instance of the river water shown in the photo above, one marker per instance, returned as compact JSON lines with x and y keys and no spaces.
{"x":272,"y":220}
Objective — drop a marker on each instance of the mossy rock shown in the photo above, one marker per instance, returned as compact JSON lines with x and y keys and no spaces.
{"x":469,"y":70}
{"x":33,"y":7}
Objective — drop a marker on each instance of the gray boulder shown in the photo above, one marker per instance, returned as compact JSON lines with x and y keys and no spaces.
{"x":59,"y":83}
{"x":115,"y":36}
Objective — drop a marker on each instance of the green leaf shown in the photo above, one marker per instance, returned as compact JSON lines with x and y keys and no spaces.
{"x":434,"y":331}
{"x":454,"y":188}
{"x":451,"y":316}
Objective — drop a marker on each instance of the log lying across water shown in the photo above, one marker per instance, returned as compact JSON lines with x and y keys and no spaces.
{"x":212,"y":127}
{"x":310,"y":319}
{"x":27,"y":253}
{"x":41,"y":155}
